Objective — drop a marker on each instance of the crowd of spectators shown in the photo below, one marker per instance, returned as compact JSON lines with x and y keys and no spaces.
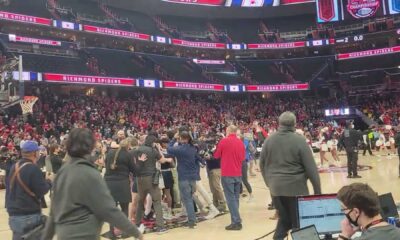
{"x":206,"y":114}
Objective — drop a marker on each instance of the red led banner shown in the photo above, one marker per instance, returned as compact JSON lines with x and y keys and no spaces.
{"x":116,"y":32}
{"x":13,"y":38}
{"x":185,"y":43}
{"x":193,"y":86}
{"x":24,"y":18}
{"x":368,"y":53}
{"x":277,"y":88}
{"x":275,"y":45}
{"x":80,"y":79}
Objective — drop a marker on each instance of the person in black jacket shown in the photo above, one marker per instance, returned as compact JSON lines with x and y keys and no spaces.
{"x":397,"y":142}
{"x":119,"y":165}
{"x":26,"y":186}
{"x":81,"y":201}
{"x":55,"y":159}
{"x":350,"y":139}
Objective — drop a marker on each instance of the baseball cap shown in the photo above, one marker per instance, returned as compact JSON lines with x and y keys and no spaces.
{"x":30,"y":146}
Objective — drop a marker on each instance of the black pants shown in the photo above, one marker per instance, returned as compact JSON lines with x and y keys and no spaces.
{"x":245,"y":179}
{"x":352,"y":159}
{"x":124,"y":209}
{"x":286,"y":207}
{"x":398,"y":153}
{"x":367,"y":147}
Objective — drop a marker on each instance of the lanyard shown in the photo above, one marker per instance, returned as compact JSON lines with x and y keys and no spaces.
{"x":376,"y":222}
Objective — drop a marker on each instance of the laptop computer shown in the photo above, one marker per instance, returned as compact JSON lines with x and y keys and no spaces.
{"x":306,"y":233}
{"x":388,"y":206}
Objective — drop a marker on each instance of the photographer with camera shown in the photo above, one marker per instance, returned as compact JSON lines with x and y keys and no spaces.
{"x":213,"y":171}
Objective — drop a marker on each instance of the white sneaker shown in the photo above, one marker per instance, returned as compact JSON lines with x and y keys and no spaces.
{"x":141,"y":228}
{"x":212,"y":213}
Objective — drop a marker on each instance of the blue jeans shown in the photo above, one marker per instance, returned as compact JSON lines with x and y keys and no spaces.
{"x":20,"y":225}
{"x":187,"y":188}
{"x":231,"y":187}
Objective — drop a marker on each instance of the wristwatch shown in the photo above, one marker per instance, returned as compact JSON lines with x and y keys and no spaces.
{"x":341,"y":237}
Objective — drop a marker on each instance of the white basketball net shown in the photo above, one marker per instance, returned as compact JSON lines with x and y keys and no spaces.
{"x":27,"y":104}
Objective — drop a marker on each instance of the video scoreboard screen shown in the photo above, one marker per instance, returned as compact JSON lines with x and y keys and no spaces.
{"x":339,"y":10}
{"x":239,"y":3}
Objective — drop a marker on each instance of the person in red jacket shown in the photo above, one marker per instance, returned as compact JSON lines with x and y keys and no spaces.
{"x":232,"y":152}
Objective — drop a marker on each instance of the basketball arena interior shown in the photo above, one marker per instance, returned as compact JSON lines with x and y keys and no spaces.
{"x":199,"y":119}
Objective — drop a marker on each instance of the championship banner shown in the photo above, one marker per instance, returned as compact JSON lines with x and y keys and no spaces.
{"x":209,"y":62}
{"x":276,"y":45}
{"x":80,"y":79}
{"x":368,"y":53}
{"x":193,"y":86}
{"x":180,"y":42}
{"x":14,"y":38}
{"x":116,"y":32}
{"x":277,"y":88}
{"x":24,"y":18}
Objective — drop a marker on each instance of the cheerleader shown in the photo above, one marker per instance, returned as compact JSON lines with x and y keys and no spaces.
{"x":392,"y":141}
{"x":381,"y":143}
{"x":323,"y":140}
{"x":334,"y":144}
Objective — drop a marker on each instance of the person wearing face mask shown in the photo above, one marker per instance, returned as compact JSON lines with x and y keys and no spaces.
{"x":26,"y":187}
{"x":350,"y":139}
{"x":360,"y":204}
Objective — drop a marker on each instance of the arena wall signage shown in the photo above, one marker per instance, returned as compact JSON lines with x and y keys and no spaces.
{"x":147,"y":37}
{"x":368,"y":53}
{"x":81,"y":79}
{"x":15,"y":38}
{"x":276,"y":45}
{"x":25,"y":18}
{"x":337,"y":10}
{"x":278,"y":88}
{"x":193,"y":86}
{"x":67,"y":25}
{"x":150,"y":83}
{"x":116,"y":32}
{"x":185,"y":43}
{"x":209,"y":62}
{"x":239,"y":3}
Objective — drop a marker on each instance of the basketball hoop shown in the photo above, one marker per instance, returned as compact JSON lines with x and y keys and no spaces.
{"x":27,"y":104}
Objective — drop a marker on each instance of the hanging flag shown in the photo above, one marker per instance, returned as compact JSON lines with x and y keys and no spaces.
{"x":327,"y":11}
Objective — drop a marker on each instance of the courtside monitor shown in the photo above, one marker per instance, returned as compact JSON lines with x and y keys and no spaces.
{"x":323,"y":211}
{"x":307,"y":233}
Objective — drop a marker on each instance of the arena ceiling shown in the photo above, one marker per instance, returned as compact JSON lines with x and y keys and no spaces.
{"x":158,"y":7}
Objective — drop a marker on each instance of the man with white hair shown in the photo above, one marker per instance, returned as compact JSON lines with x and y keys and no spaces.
{"x":120,"y":136}
{"x":286,"y":164}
